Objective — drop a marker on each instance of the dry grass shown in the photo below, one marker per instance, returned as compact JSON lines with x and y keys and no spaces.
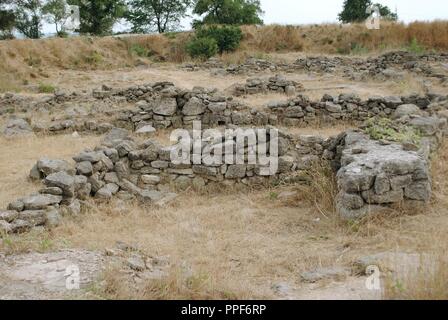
{"x":231,"y":244}
{"x":429,"y":282}
{"x":24,"y":61}
{"x":18,"y":155}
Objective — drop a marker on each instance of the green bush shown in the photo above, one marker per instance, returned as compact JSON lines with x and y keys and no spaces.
{"x":228,"y":38}
{"x":386,"y":129}
{"x":46,"y":88}
{"x":415,"y":47}
{"x":139,"y":50}
{"x":203,"y":48}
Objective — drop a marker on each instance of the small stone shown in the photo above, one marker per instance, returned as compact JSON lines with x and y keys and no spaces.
{"x":16,"y":206}
{"x":146,"y":130}
{"x":8,"y":216}
{"x":34,"y":217}
{"x":40,"y":201}
{"x":136,"y":263}
{"x":150,"y":179}
{"x":52,"y":190}
{"x":5,"y":227}
{"x":84,"y":168}
{"x":53,"y":218}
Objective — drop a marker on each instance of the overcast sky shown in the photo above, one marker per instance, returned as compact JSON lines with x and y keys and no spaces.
{"x":326,"y":11}
{"x":321,"y":11}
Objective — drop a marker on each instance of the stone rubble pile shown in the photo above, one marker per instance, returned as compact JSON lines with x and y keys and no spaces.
{"x":386,"y":66}
{"x":277,"y":83}
{"x":375,"y":174}
{"x":389,"y":65}
{"x":123,"y":168}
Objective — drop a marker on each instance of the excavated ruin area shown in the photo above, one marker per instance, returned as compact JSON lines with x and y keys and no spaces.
{"x":88,"y":181}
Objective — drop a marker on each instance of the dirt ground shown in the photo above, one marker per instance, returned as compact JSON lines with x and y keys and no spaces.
{"x":234,"y":244}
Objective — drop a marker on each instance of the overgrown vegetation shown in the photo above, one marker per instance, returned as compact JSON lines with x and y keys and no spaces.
{"x":227,"y":37}
{"x":202,"y":48}
{"x":46,"y":88}
{"x":415,"y":47}
{"x":386,"y":129}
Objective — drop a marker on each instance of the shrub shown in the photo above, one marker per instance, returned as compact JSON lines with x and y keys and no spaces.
{"x":139,"y":50}
{"x":46,"y":88}
{"x":386,"y":129}
{"x":228,"y":38}
{"x":415,"y":47}
{"x":203,"y":48}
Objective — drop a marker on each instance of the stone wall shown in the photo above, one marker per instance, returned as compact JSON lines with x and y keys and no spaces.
{"x":374,"y":175}
{"x":389,"y":65}
{"x":121,"y":167}
{"x":162,"y":105}
{"x":277,"y":84}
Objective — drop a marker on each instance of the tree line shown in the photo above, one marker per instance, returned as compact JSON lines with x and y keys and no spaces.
{"x":97,"y":17}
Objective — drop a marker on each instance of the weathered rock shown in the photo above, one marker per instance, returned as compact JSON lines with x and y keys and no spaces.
{"x":193,"y":107}
{"x":16,"y":206}
{"x":84,"y":168}
{"x":89,"y":156}
{"x":419,"y":190}
{"x":136,"y":263}
{"x":165,"y":106}
{"x":48,"y":166}
{"x":8,"y":216}
{"x":53,"y":218}
{"x":56,"y":191}
{"x":40,"y":201}
{"x":150,"y":179}
{"x":148,"y":129}
{"x":350,"y":201}
{"x":62,"y":180}
{"x":107,"y":191}
{"x":17,"y":127}
{"x":114,"y":136}
{"x":236,"y":171}
{"x":5,"y":227}
{"x":406,"y":110}
{"x":34,"y":217}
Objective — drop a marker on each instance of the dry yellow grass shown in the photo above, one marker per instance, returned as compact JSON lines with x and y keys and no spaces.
{"x":23,"y":61}
{"x":225,"y":245}
{"x":18,"y":156}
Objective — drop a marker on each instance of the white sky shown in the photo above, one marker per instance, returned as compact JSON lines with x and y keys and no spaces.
{"x":326,"y":11}
{"x":321,"y":11}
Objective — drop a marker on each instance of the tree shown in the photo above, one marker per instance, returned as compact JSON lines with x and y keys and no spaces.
{"x":97,"y":17}
{"x":56,"y":12}
{"x":235,"y":12}
{"x":28,"y":17}
{"x":160,"y":15}
{"x":7,"y":20}
{"x":356,"y":11}
{"x":386,"y":13}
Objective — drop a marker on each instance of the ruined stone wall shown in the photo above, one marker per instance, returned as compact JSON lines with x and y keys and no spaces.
{"x":123,"y":168}
{"x":374,"y":175}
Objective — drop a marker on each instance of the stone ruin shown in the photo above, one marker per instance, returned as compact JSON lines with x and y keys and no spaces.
{"x":389,"y":65}
{"x":278,"y":84}
{"x":162,"y":105}
{"x":371,"y":174}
